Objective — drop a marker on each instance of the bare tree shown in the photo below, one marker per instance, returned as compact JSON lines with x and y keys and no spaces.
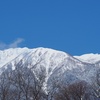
{"x":62,"y":94}
{"x":96,"y":85}
{"x":27,"y":84}
{"x":4,"y":86}
{"x":75,"y":91}
{"x":52,"y":88}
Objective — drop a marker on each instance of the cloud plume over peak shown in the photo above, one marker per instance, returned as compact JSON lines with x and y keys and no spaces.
{"x":14,"y":44}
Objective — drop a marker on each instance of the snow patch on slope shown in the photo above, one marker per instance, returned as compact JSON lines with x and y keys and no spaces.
{"x":9,"y":54}
{"x":89,"y":58}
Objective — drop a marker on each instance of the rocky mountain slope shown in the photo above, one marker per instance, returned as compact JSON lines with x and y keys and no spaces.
{"x":55,"y":64}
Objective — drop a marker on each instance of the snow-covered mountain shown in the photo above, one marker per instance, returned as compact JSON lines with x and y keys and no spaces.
{"x":89,"y":58}
{"x":55,"y":64}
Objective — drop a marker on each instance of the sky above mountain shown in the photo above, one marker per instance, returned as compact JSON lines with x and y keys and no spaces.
{"x":72,"y":26}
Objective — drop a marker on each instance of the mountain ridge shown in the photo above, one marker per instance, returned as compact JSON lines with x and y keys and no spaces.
{"x":84,"y":58}
{"x":55,"y":63}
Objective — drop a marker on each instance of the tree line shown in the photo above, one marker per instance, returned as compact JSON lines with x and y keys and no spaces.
{"x":23,"y":83}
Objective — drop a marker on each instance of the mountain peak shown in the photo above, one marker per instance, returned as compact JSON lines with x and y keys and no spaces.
{"x":9,"y":54}
{"x":54,"y":63}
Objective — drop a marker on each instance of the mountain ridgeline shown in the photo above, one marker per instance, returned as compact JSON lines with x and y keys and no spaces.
{"x":47,"y":74}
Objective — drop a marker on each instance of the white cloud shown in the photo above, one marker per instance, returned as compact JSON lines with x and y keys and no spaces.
{"x":14,"y":44}
{"x":2,"y":45}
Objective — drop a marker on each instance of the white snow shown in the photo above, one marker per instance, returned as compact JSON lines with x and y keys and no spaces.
{"x":56,"y":63}
{"x":89,"y":58}
{"x":9,"y":54}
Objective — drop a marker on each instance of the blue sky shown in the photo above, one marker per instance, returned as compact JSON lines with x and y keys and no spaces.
{"x":72,"y":26}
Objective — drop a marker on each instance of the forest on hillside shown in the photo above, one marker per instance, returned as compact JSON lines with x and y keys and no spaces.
{"x":24,"y":83}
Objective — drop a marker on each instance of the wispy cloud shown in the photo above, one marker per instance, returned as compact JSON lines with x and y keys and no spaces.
{"x":14,"y":44}
{"x":3,"y":45}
